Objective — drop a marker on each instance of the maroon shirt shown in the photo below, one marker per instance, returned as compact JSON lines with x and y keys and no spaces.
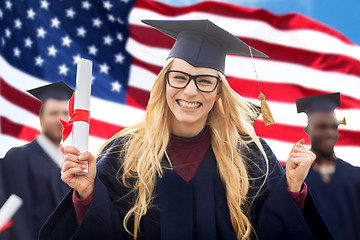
{"x":186,"y":154}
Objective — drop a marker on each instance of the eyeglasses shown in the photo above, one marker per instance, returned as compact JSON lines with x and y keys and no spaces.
{"x":204,"y":83}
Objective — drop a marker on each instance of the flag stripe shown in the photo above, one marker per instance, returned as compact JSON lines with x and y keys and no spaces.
{"x":19,"y":115}
{"x":19,"y":98}
{"x":282,"y":22}
{"x":137,"y":97}
{"x":23,"y":132}
{"x":282,"y":132}
{"x":102,"y":129}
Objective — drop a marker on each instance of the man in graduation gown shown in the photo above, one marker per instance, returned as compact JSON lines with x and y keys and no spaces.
{"x":32,"y":171}
{"x":334,"y":183}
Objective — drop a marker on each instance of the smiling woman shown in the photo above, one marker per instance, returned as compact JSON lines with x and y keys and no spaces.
{"x":194,"y":167}
{"x":190,"y":106}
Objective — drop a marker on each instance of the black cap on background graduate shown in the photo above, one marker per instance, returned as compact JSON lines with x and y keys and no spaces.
{"x":58,"y":90}
{"x":202,"y":43}
{"x":325,"y":102}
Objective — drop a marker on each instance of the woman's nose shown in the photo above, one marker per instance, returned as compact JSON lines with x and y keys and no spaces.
{"x":191,"y":88}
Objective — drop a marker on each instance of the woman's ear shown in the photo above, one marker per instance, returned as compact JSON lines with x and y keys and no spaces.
{"x":218,"y":95}
{"x":219,"y":92}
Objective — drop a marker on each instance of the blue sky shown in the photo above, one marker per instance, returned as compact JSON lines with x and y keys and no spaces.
{"x":342,"y":15}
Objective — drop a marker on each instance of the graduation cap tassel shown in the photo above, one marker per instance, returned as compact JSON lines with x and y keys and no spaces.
{"x":342,"y":122}
{"x":265,"y":110}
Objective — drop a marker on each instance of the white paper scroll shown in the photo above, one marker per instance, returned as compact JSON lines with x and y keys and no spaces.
{"x":8,"y":210}
{"x":80,"y":132}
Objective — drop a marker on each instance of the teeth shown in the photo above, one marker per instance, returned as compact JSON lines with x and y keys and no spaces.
{"x":188,"y":104}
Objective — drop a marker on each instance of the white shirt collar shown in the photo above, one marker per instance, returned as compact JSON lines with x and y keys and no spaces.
{"x":53,"y":151}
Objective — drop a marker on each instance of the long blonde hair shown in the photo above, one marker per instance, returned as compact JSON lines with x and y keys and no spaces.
{"x":228,"y":121}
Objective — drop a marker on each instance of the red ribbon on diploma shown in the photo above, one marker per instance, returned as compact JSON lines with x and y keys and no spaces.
{"x":6,"y":225}
{"x":75,"y":116}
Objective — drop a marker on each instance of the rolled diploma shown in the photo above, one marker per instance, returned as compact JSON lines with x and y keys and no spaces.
{"x":80,"y":132}
{"x":10,"y":207}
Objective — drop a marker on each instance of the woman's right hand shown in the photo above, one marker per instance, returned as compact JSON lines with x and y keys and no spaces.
{"x":74,"y":163}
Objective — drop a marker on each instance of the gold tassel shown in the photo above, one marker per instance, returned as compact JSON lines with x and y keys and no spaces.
{"x":342,"y":122}
{"x":265,"y":111}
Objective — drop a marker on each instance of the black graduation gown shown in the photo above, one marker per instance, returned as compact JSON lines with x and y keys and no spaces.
{"x":193,"y":210}
{"x":31,"y":174}
{"x":339,"y":200}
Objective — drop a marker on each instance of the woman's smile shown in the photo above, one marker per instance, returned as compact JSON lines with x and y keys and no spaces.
{"x":186,"y":105}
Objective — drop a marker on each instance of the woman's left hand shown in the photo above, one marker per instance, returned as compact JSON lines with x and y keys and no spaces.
{"x":298,"y":165}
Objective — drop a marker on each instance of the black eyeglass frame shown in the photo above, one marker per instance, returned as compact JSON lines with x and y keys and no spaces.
{"x":194,"y":77}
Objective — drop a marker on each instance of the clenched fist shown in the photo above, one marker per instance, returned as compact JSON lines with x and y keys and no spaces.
{"x":74,"y":164}
{"x":298,"y":165}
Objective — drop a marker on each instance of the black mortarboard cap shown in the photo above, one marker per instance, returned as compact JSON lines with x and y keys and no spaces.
{"x":202,"y":43}
{"x":325,"y":102}
{"x":58,"y":90}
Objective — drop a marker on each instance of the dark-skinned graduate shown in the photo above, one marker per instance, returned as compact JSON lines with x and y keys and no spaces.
{"x":194,"y":167}
{"x":334,"y":183}
{"x":32,"y":171}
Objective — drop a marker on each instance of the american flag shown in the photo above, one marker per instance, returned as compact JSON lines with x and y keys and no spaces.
{"x":41,"y":41}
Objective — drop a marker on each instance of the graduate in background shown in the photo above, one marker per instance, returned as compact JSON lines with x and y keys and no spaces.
{"x":334,"y":183}
{"x":32,"y":171}
{"x":194,"y":168}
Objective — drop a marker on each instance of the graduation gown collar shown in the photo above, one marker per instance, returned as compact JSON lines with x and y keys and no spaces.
{"x":50,"y":149}
{"x":186,"y":154}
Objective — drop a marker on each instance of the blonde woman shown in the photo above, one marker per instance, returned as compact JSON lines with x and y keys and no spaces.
{"x":194,"y":168}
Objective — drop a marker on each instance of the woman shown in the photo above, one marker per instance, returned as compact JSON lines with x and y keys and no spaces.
{"x":194,"y":168}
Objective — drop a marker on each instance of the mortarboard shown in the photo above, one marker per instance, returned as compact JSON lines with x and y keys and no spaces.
{"x":202,"y":43}
{"x":58,"y":90}
{"x":325,"y":102}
